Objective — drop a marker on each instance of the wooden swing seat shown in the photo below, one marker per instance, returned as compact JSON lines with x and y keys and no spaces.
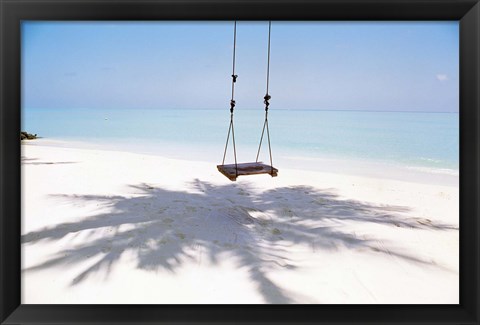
{"x":244,"y":169}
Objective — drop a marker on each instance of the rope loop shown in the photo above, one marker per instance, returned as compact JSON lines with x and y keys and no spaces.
{"x":266,"y":101}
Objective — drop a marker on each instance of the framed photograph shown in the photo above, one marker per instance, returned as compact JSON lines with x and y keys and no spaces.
{"x":239,"y":162}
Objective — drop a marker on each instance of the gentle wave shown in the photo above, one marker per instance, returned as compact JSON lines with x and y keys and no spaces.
{"x":429,"y":160}
{"x":364,"y":164}
{"x":442,"y":171}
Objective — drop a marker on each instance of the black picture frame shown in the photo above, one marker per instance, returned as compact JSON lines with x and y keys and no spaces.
{"x":12,"y":12}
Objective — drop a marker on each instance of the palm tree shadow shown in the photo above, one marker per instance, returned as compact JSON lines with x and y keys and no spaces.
{"x":165,"y":229}
{"x":28,"y":161}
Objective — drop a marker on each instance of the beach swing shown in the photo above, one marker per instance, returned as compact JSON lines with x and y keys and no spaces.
{"x":232,"y":171}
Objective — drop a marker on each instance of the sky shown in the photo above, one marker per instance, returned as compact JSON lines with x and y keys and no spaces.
{"x":374,"y":66}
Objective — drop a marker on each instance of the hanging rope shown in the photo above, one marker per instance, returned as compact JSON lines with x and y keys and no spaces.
{"x":267,"y":103}
{"x":232,"y":103}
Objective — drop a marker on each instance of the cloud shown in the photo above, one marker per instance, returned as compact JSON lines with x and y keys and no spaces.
{"x":442,"y":77}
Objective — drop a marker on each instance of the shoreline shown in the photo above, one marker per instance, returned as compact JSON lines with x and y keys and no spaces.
{"x":352,"y":167}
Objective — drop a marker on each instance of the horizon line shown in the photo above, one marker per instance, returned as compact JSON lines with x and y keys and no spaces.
{"x":255,"y":109}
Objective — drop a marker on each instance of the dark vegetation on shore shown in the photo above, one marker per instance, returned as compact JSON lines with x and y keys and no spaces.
{"x":27,"y":136}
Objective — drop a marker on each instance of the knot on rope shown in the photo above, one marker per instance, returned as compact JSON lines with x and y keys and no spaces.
{"x":234,"y":77}
{"x":266,"y":101}
{"x":232,"y":105}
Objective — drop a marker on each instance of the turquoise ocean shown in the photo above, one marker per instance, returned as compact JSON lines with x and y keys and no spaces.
{"x":427,"y":142}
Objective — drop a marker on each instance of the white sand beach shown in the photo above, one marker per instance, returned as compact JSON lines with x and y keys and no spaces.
{"x":111,"y":227}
